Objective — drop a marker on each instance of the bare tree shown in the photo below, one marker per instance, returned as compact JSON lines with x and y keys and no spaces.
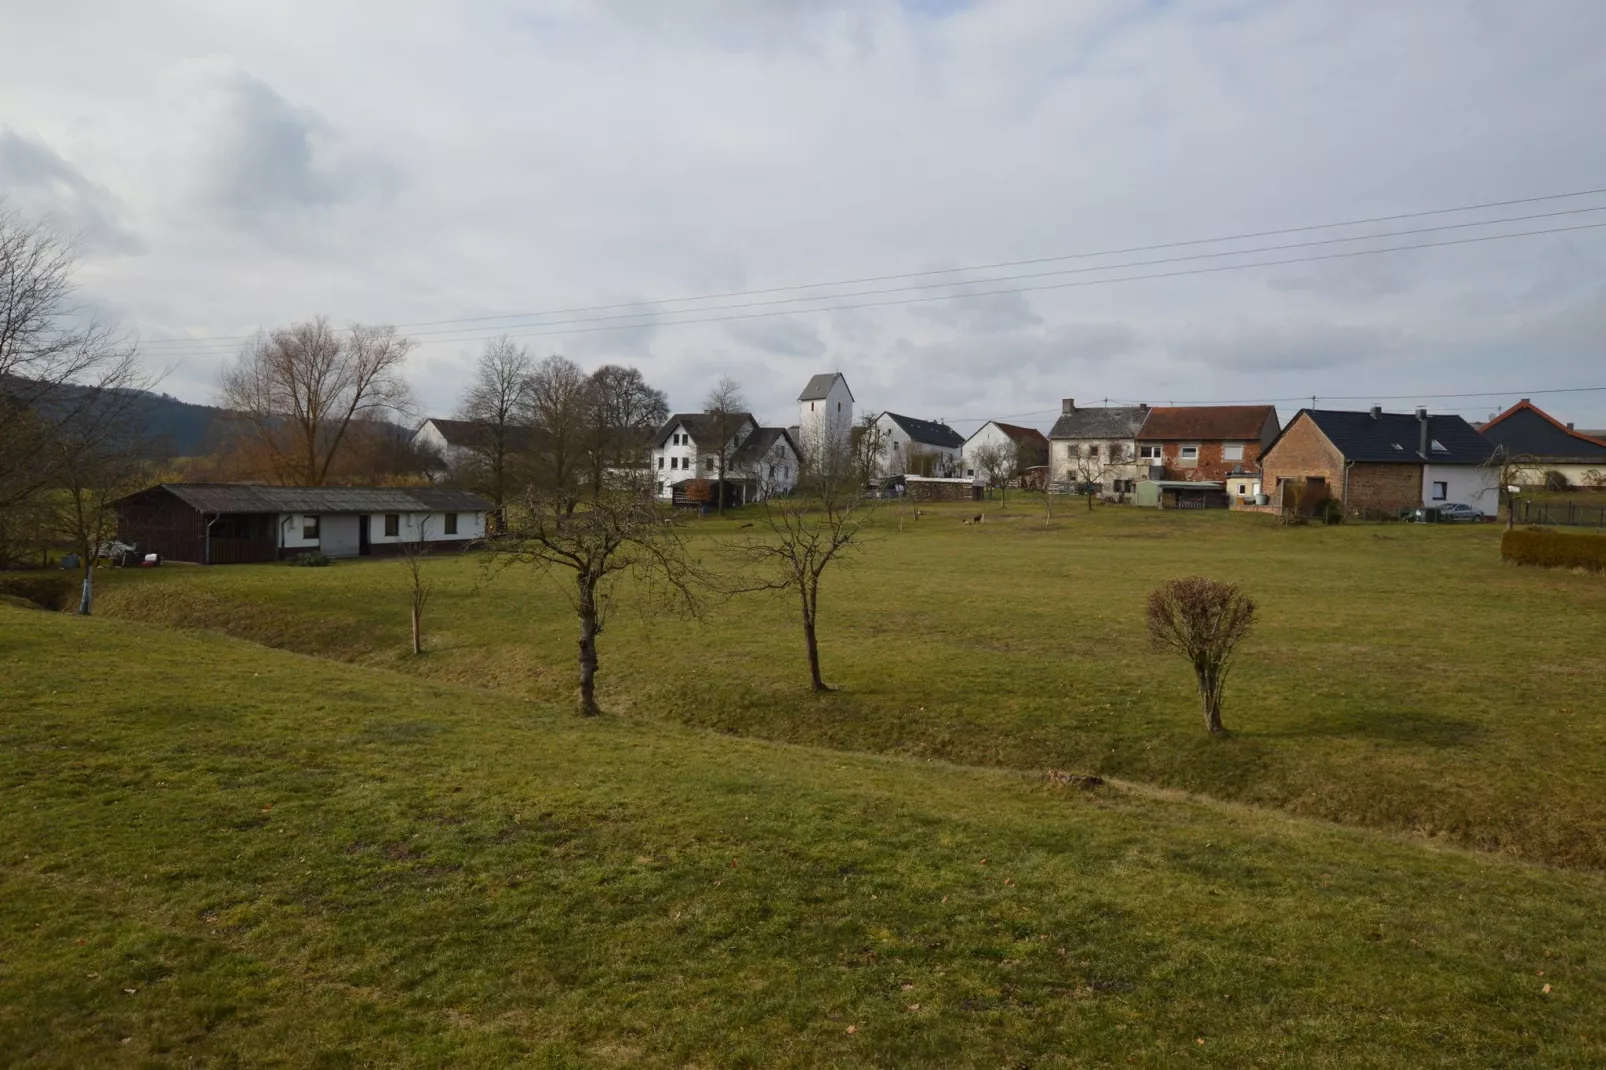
{"x":1512,"y":471}
{"x":1090,"y":463}
{"x":1203,"y":621}
{"x":997,"y":461}
{"x":414,"y":547}
{"x":297,"y":392}
{"x":727,"y":405}
{"x":494,"y":403}
{"x":805,"y":534}
{"x":556,"y":410}
{"x":60,"y":367}
{"x":621,"y":418}
{"x":617,"y":535}
{"x":869,"y":440}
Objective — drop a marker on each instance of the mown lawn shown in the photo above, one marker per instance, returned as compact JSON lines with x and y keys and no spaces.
{"x":1402,"y":677}
{"x":219,"y":854}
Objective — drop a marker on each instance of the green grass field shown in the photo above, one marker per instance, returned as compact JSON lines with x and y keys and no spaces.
{"x":1402,"y":677}
{"x":217,"y":854}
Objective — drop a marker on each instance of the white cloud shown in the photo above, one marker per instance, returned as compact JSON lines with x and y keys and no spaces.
{"x":269,"y":162}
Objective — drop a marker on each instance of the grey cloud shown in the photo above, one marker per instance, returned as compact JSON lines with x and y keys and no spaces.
{"x":1258,"y":346}
{"x":993,"y":314}
{"x":38,"y":181}
{"x":784,"y":337}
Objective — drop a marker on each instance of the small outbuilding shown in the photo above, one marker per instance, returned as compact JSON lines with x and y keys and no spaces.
{"x":1180,"y":494}
{"x":231,"y":523}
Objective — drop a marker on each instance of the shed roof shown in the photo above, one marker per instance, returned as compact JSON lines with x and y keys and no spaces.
{"x":1024,"y":437}
{"x":260,"y":498}
{"x":927,"y":432}
{"x":820,"y":385}
{"x":1396,"y":437}
{"x":1120,"y":421}
{"x":756,"y":445}
{"x":1207,"y":423}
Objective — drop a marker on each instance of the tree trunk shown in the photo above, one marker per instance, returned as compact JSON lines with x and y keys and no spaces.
{"x":418,"y":638}
{"x":86,"y":597}
{"x":1210,"y":699}
{"x":813,"y":645}
{"x":588,"y":646}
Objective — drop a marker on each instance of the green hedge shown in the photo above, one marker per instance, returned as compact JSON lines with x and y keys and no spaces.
{"x":51,"y":590}
{"x":1554,"y":549}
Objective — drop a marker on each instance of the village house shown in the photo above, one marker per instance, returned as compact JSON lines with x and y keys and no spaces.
{"x":1545,"y":445}
{"x":918,"y":448}
{"x":1097,"y":446}
{"x":825,"y":414}
{"x":1030,"y":446}
{"x":1205,"y":443}
{"x":453,"y":441}
{"x":227,"y":523}
{"x":1380,"y":463}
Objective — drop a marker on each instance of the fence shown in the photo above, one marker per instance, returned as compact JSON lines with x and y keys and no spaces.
{"x":1565,"y":514}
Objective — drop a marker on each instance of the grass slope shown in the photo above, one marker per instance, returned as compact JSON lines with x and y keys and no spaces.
{"x":218,"y":853}
{"x":1401,"y":677}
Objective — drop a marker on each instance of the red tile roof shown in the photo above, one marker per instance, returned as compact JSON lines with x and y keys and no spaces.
{"x":1206,"y":423}
{"x":1023,"y":436}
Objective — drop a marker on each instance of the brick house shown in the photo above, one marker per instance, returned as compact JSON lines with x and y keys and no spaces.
{"x":1206,"y":443}
{"x":1380,"y":462}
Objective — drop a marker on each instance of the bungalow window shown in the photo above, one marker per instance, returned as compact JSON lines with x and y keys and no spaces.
{"x":392,"y":525}
{"x":309,"y":527}
{"x":1232,"y":451}
{"x":1093,"y":451}
{"x":1441,"y":492}
{"x":451,"y":523}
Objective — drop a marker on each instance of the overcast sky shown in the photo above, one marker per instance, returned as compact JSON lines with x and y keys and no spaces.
{"x":236,"y":165}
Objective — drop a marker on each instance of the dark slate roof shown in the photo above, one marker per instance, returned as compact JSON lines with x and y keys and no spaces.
{"x":759,"y":443}
{"x":1121,"y":421}
{"x":702,"y":426}
{"x":459,"y":432}
{"x":1206,"y":423}
{"x":1395,"y":437}
{"x":928,"y":432}
{"x":1527,"y":429}
{"x":820,"y":385}
{"x":260,"y":498}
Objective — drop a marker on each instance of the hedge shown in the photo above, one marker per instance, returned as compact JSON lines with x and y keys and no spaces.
{"x":48,"y":589}
{"x":1554,"y":549}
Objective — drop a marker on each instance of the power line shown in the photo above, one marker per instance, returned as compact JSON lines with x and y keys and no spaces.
{"x":981,"y":267}
{"x":1215,"y":269}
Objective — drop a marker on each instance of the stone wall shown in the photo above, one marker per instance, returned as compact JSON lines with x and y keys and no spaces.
{"x":917,"y":489}
{"x":1383,"y":486}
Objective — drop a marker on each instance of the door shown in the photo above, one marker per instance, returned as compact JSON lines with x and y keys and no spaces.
{"x":339,"y":536}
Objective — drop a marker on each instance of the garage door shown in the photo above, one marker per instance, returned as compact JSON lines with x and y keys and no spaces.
{"x":337,"y":536}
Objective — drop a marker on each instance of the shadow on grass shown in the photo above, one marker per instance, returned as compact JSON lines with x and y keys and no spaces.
{"x":1393,"y":726}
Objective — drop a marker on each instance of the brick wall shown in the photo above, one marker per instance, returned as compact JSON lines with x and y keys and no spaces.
{"x":1303,"y":451}
{"x":1384,"y":486}
{"x":1211,"y":467}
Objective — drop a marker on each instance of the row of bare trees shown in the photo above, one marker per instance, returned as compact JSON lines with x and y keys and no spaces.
{"x":549,"y":428}
{"x":70,"y":442}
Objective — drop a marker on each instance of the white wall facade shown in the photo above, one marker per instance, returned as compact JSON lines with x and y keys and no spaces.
{"x":1117,"y":460}
{"x":892,"y":460}
{"x":470,"y":526}
{"x":826,"y":419}
{"x":1467,"y":484}
{"x":681,"y":458}
{"x":989,"y":434}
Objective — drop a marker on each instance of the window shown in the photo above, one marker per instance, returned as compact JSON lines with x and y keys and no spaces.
{"x":1149,"y":453}
{"x":674,"y":462}
{"x":1188,"y":453}
{"x":309,"y":527}
{"x":451,"y":523}
{"x":660,"y":486}
{"x":708,"y":463}
{"x":1441,"y":492}
{"x":1438,"y":447}
{"x":392,"y":525}
{"x":660,"y":462}
{"x":1243,"y":488}
{"x":839,"y":406}
{"x":1232,"y":451}
{"x":811,"y":406}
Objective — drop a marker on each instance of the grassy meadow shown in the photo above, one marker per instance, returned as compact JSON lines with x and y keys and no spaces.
{"x":212,"y":853}
{"x":1401,"y":677}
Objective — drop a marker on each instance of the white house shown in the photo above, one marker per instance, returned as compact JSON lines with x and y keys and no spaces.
{"x":917,"y":447}
{"x":825,"y":412}
{"x":761,"y":460}
{"x":221,"y":523}
{"x":1029,"y":444}
{"x":1098,"y":445}
{"x":451,"y":440}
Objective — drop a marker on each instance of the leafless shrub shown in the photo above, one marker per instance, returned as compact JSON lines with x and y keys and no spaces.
{"x":1203,"y":621}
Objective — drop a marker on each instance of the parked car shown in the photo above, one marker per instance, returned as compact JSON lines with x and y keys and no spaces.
{"x":1446,"y":514}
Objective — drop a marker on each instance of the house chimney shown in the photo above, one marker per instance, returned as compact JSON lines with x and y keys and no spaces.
{"x":1377,"y":412}
{"x":1569,"y":425}
{"x":1143,"y":406}
{"x":1067,"y":406}
{"x":1424,"y":422}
